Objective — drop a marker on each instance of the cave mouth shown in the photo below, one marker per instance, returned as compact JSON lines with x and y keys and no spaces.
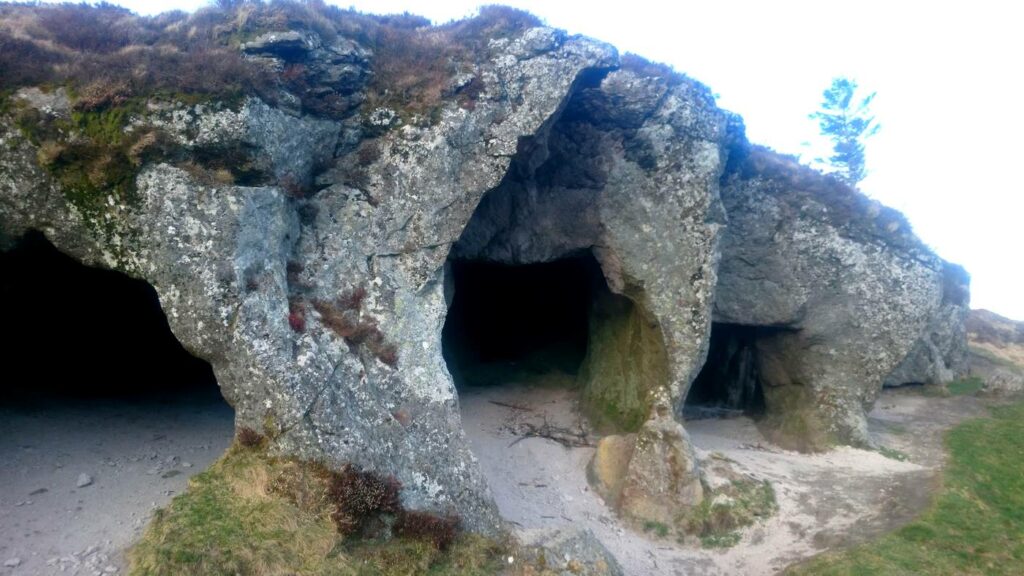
{"x":524,"y":322}
{"x":103,"y":414}
{"x":730,"y":382}
{"x":73,"y":333}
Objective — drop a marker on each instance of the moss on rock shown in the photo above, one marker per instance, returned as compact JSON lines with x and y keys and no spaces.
{"x":626,"y":361}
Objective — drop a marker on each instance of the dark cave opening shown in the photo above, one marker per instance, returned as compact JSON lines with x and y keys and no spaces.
{"x":729,"y":384}
{"x":509,"y":322}
{"x":77,"y":333}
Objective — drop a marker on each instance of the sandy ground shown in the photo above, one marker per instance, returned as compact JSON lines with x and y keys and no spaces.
{"x":825,"y":501}
{"x":138,"y":455}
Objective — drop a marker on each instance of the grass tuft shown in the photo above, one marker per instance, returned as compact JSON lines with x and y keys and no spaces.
{"x":727,"y":509}
{"x":966,"y":386}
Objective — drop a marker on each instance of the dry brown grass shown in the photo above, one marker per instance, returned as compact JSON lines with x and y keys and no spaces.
{"x":109,"y":55}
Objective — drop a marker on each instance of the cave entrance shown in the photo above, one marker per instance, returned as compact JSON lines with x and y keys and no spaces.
{"x":75,"y":332}
{"x":730,"y":383}
{"x":519,"y":322}
{"x":102,"y":411}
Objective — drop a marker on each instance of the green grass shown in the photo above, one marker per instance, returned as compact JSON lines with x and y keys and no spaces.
{"x":717,"y":521}
{"x":965,"y":386}
{"x":892,"y":454}
{"x":976,"y":524}
{"x":658,"y":528}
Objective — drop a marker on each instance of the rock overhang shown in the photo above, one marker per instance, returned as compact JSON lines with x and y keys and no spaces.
{"x":563,"y":147}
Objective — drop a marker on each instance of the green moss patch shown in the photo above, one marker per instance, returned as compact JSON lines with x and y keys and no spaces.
{"x":251,"y":513}
{"x":626,"y":360}
{"x":976,"y":524}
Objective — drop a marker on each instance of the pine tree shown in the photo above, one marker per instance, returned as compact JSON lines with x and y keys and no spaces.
{"x":847,"y":123}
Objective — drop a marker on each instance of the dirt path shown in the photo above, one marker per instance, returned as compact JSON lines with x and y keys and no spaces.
{"x":136,"y":455}
{"x":825,"y":501}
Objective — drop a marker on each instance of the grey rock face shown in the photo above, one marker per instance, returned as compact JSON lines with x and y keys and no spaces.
{"x":568,"y":552}
{"x":321,"y":313}
{"x":629,"y":172}
{"x":941,"y":355}
{"x":843,"y":277}
{"x":335,"y":71}
{"x":250,"y":277}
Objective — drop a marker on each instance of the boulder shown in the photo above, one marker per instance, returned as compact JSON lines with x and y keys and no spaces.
{"x":842,"y":281}
{"x":565,"y":552}
{"x":941,"y":355}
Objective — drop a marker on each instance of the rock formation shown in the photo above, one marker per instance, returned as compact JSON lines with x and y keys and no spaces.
{"x":300,"y":243}
{"x":841,"y":281}
{"x":941,"y":355}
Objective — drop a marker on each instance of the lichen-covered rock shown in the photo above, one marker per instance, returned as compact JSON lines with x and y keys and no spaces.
{"x":629,"y":173}
{"x":563,"y":552}
{"x":844,"y":282}
{"x":261,"y":282}
{"x":663,"y":479}
{"x":299,"y":242}
{"x":941,"y":355}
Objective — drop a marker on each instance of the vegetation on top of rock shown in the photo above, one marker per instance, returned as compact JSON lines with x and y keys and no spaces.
{"x":108,"y":54}
{"x":976,"y":524}
{"x":809,"y":192}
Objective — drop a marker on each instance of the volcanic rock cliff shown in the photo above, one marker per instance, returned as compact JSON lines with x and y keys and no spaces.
{"x":301,"y":228}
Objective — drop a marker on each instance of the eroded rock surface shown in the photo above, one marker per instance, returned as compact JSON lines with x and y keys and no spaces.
{"x":300,"y":246}
{"x":844,"y":278}
{"x":941,"y":355}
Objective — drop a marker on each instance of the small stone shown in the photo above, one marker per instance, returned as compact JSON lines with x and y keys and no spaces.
{"x":186,"y":464}
{"x":110,"y":569}
{"x":83,"y":480}
{"x":12,"y":562}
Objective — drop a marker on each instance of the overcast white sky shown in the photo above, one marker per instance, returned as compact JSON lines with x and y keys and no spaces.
{"x":948,"y":77}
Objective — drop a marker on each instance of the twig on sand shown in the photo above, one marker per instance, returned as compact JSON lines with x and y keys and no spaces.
{"x":512,"y":406}
{"x":564,"y":436}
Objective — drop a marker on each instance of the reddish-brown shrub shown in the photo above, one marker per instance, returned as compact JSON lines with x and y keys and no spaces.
{"x":343,"y":318}
{"x":25,"y":63}
{"x":382,"y":350}
{"x":100,"y":28}
{"x":353,"y":299}
{"x":297,"y":316}
{"x":438,"y":530}
{"x":248,"y":437}
{"x":359,"y":496}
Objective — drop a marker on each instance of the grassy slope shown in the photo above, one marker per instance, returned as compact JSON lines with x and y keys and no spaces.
{"x":255,"y":515}
{"x":976,"y":524}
